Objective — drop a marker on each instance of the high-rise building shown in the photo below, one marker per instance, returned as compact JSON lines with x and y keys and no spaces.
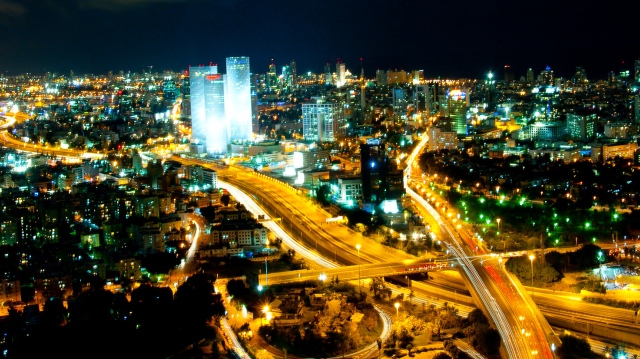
{"x":322,"y":121}
{"x":421,"y":99}
{"x":441,"y":140}
{"x":581,"y":126}
{"x":169,"y":90}
{"x":457,"y":105}
{"x":636,"y":109}
{"x":381,"y":78}
{"x":381,"y":179}
{"x":208,"y":123}
{"x":508,"y":74}
{"x":580,"y":76}
{"x":396,"y":77}
{"x":341,"y":74}
{"x":255,"y":123}
{"x":546,"y":76}
{"x":272,"y":76}
{"x":399,"y":99}
{"x":286,"y":76}
{"x":530,"y":76}
{"x":327,"y":74}
{"x":237,"y":99}
{"x":294,"y":72}
{"x":417,"y":76}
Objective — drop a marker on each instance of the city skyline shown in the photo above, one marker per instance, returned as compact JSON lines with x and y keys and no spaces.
{"x":448,"y":40}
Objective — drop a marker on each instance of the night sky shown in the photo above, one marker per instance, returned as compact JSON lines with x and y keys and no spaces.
{"x":444,"y":38}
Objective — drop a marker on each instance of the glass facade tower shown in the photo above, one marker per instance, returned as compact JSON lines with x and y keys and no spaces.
{"x":208,"y":108}
{"x":237,"y":102}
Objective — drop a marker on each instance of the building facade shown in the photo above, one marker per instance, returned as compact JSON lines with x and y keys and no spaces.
{"x":322,"y":121}
{"x":208,"y":108}
{"x":237,"y":99}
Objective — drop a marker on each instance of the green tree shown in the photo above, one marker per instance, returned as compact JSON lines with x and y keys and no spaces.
{"x":442,"y":355}
{"x":488,"y":342}
{"x":542,"y":272}
{"x":323,"y":195}
{"x":197,"y":302}
{"x":573,"y":348}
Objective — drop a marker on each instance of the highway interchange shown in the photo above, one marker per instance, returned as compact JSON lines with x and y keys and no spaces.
{"x":522,"y":325}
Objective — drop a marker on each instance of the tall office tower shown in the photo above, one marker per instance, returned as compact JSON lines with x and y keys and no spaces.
{"x":322,"y":121}
{"x":327,"y":74}
{"x":399,"y":100}
{"x":546,"y":76}
{"x":417,"y":76}
{"x":237,"y":99}
{"x":396,"y":77}
{"x":208,"y":124}
{"x":508,"y":74}
{"x":341,"y":74}
{"x":361,"y":70}
{"x":381,"y":180}
{"x":421,"y":99}
{"x":294,"y":72}
{"x":636,"y":108}
{"x":255,"y":123}
{"x":363,"y":97}
{"x":286,"y":76}
{"x":580,"y":75}
{"x":272,"y":76}
{"x":381,"y":78}
{"x":581,"y":126}
{"x":637,"y":71}
{"x":457,"y":105}
{"x":169,"y":90}
{"x":530,"y":76}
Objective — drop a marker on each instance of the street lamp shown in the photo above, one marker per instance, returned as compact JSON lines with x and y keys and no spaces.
{"x":498,"y":220}
{"x":265,"y":310}
{"x":397,"y":305}
{"x":358,"y":248}
{"x":531,"y":258}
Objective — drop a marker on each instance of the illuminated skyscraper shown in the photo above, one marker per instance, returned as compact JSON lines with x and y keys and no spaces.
{"x":208,"y":108}
{"x":546,"y":76}
{"x":272,"y":76}
{"x":457,"y":105}
{"x":237,"y":103}
{"x":327,"y":74}
{"x":294,"y":72}
{"x":341,"y":72}
{"x":422,"y":99}
{"x":381,"y":78}
{"x":530,"y":75}
{"x":637,"y":71}
{"x":322,"y":121}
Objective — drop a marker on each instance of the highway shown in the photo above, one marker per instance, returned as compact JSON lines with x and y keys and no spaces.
{"x":10,"y":141}
{"x":318,"y":245}
{"x":352,"y":272}
{"x":524,"y":331}
{"x":307,"y":253}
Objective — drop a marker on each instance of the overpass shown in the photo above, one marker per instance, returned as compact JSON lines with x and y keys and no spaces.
{"x":354,"y":272}
{"x":347,"y":252}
